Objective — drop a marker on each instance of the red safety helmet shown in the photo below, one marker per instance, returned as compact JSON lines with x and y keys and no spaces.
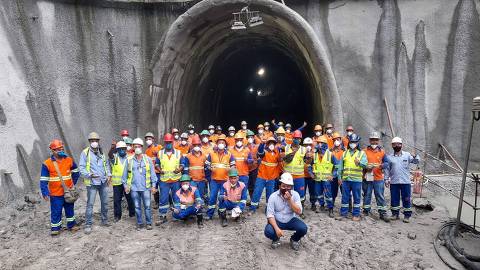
{"x":297,"y":134}
{"x":55,"y":144}
{"x":124,"y":133}
{"x":168,"y":137}
{"x":196,"y":140}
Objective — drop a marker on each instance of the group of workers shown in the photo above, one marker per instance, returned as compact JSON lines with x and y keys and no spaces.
{"x":192,"y":174}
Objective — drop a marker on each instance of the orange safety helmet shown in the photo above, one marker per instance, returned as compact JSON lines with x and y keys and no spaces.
{"x":336,"y":135}
{"x":317,"y":128}
{"x":196,"y":140}
{"x":297,"y":134}
{"x":168,"y":137}
{"x":124,"y":133}
{"x":55,"y":144}
{"x":322,"y":139}
{"x":222,"y":137}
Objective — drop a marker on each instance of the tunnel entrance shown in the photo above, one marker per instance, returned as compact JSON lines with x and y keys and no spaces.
{"x":205,"y":73}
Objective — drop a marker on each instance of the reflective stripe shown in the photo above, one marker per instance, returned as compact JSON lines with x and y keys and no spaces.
{"x":75,"y":170}
{"x":212,"y":206}
{"x":350,"y":169}
{"x":44,"y":178}
{"x":323,"y":167}
{"x":147,"y":171}
{"x":164,"y":206}
{"x":117,"y":171}
{"x":219,"y":166}
{"x":71,"y":219}
{"x":270,"y":164}
{"x":87,"y":181}
{"x":254,"y":203}
{"x":56,"y":179}
{"x":170,"y":164}
{"x":345,"y":205}
{"x":366,"y":206}
{"x":407,"y":209}
{"x":356,"y":205}
{"x":395,"y":208}
{"x":197,"y":167}
{"x":56,"y":224}
{"x":296,"y":166}
{"x":222,"y":209}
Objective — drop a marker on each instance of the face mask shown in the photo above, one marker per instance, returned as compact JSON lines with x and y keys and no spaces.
{"x":184,"y":142}
{"x":176,"y":136}
{"x":121,"y":152}
{"x":196,"y":149}
{"x":329,"y":131}
{"x":221,"y":146}
{"x":149,"y":142}
{"x":129,"y":148}
{"x":260,"y":131}
{"x":191,"y":131}
{"x":337,"y":143}
{"x":267,"y":128}
{"x":211,"y":131}
{"x":239,"y":144}
{"x":62,"y":154}
{"x":168,"y":146}
{"x":283,"y":191}
{"x":251,"y":140}
{"x":397,"y":148}
{"x":138,"y":151}
{"x":353,"y":145}
{"x":231,"y":134}
{"x":271,"y":147}
{"x":288,"y":131}
{"x":296,"y":141}
{"x":318,"y":133}
{"x":233,"y":185}
{"x":244,"y":127}
{"x":309,"y":148}
{"x":374,"y":146}
{"x":281,"y":138}
{"x":349,"y":133}
{"x":185,"y":187}
{"x":94,"y":145}
{"x":204,"y":139}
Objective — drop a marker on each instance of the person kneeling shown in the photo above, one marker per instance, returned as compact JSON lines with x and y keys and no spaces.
{"x":187,"y":202}
{"x":233,"y":196}
{"x":283,"y":207}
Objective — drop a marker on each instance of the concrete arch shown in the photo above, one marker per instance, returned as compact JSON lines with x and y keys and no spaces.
{"x":202,"y":34}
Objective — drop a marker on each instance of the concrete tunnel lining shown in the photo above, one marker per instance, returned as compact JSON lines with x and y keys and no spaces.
{"x":202,"y":34}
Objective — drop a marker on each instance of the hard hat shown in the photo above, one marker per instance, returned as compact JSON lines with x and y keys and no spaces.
{"x":93,"y":136}
{"x":250,"y":133}
{"x":168,"y":137}
{"x":322,"y":139}
{"x":329,"y":126}
{"x":243,"y":123}
{"x":374,"y":135}
{"x":124,"y":133}
{"x":211,"y":127}
{"x":336,"y":135}
{"x":185,"y":178}
{"x":271,"y":139}
{"x":196,"y":140}
{"x":121,"y":144}
{"x":288,"y":125}
{"x":190,"y":126}
{"x":221,"y":137}
{"x":175,"y":130}
{"x":317,"y":128}
{"x":231,"y":128}
{"x":307,"y":141}
{"x":287,"y":179}
{"x":128,"y":140}
{"x":239,"y":136}
{"x":349,"y":128}
{"x":218,"y":128}
{"x":138,"y":141}
{"x":55,"y":144}
{"x":397,"y":140}
{"x":354,"y":138}
{"x":204,"y":133}
{"x":149,"y":134}
{"x":232,"y":172}
{"x":297,"y":134}
{"x":266,"y":124}
{"x":280,"y":124}
{"x":184,"y":136}
{"x":280,"y":130}
{"x":259,"y":126}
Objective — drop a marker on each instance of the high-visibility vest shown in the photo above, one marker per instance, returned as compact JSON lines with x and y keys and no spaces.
{"x":350,"y":169}
{"x":117,"y":170}
{"x":323,"y":167}
{"x":55,"y":187}
{"x":220,"y":165}
{"x":241,"y":160}
{"x":169,"y":164}
{"x":234,"y":194}
{"x":253,"y":150}
{"x":269,"y":168}
{"x":375,"y":157}
{"x":148,"y":181}
{"x":196,"y":166}
{"x":86,"y":151}
{"x":296,"y":166}
{"x":186,"y":198}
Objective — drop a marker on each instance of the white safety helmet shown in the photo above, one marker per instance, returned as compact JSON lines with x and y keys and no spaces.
{"x":307,"y":141}
{"x":397,"y":140}
{"x":287,"y":179}
{"x":121,"y":144}
{"x":138,"y":141}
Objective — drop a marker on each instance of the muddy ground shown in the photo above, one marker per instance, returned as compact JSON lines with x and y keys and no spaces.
{"x":370,"y":244}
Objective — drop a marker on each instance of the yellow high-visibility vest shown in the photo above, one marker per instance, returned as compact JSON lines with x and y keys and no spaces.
{"x":170,"y":164}
{"x":323,"y":167}
{"x":351,"y":171}
{"x":117,"y":170}
{"x":148,"y":181}
{"x":87,"y":181}
{"x":297,"y":165}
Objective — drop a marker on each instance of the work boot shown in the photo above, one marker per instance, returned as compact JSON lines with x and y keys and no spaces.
{"x":302,"y":216}
{"x":406,"y":220}
{"x":74,"y":228}
{"x":330,"y":213}
{"x":322,"y":208}
{"x":88,"y":229}
{"x":314,"y":208}
{"x":394,"y":217}
{"x":366,"y":213}
{"x":295,"y":245}
{"x":139,"y":227}
{"x":275,"y":244}
{"x":384,"y":218}
{"x":341,"y":218}
{"x":223,"y":217}
{"x":356,"y":218}
{"x":149,"y":227}
{"x":161,"y":220}
{"x":105,"y":224}
{"x":54,"y":233}
{"x":116,"y":219}
{"x":200,"y":221}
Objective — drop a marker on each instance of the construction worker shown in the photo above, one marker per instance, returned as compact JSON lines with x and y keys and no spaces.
{"x":52,"y":188}
{"x":194,"y":166}
{"x":318,"y":134}
{"x":324,"y":163}
{"x":191,"y":133}
{"x":118,"y":163}
{"x":130,"y":151}
{"x":152,"y":152}
{"x":187,"y":201}
{"x":243,"y":158}
{"x":308,"y":173}
{"x":260,"y":137}
{"x":267,"y":132}
{"x":268,"y":171}
{"x":253,"y":167}
{"x":337,"y":152}
{"x":374,"y":178}
{"x":350,"y":174}
{"x":218,"y":132}
{"x":95,"y":170}
{"x":170,"y":167}
{"x":288,"y":134}
{"x":231,"y":137}
{"x":211,"y":130}
{"x":243,"y":129}
{"x":348,"y":132}
{"x":397,"y":173}
{"x":124,"y":134}
{"x":184,"y":145}
{"x":283,"y":208}
{"x":329,"y":135}
{"x":139,"y":180}
{"x":219,"y":163}
{"x":280,"y":134}
{"x":232,"y":196}
{"x":294,"y":163}
{"x":176,"y":137}
{"x":207,"y":145}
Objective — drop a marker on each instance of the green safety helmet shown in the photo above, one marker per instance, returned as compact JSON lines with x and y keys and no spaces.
{"x":232,"y":172}
{"x":128,"y":140}
{"x":204,"y":133}
{"x":250,"y":133}
{"x":185,"y":178}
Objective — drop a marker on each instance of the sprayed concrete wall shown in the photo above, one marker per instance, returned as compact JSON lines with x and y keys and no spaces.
{"x":70,"y":68}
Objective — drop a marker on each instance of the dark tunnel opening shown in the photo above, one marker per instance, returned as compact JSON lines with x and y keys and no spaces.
{"x":237,"y":90}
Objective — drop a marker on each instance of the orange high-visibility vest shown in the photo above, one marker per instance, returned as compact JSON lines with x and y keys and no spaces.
{"x":234,"y":194}
{"x":253,"y":150}
{"x":375,"y":157}
{"x":187,"y":198}
{"x":220,"y":165}
{"x":269,"y":168}
{"x":54,"y":183}
{"x":241,"y":160}
{"x":196,"y":168}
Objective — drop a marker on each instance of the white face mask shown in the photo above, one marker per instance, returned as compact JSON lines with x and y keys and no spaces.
{"x":329,"y":131}
{"x":221,"y":146}
{"x":309,"y":148}
{"x":353,"y":145}
{"x":231,"y":134}
{"x":94,"y":145}
{"x":176,"y":136}
{"x":196,"y":149}
{"x":374,"y":146}
{"x":244,"y":127}
{"x":271,"y":147}
{"x":204,"y":139}
{"x":318,"y":133}
{"x":251,"y":140}
{"x":211,"y":131}
{"x":267,"y":128}
{"x":260,"y":131}
{"x":288,"y":131}
{"x":185,"y":187}
{"x":239,"y":144}
{"x":138,"y":150}
{"x":184,"y":142}
{"x":349,"y":133}
{"x":129,"y":148}
{"x":337,"y":143}
{"x":191,"y":131}
{"x":149,"y":142}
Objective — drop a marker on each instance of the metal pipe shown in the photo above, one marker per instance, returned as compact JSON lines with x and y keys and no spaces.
{"x":448,"y":191}
{"x":451,"y":157}
{"x":389,"y":118}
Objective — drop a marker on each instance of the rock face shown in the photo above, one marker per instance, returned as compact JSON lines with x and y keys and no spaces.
{"x":70,"y":68}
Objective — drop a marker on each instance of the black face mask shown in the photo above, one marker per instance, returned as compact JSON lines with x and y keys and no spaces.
{"x":283,"y":191}
{"x":397,"y":148}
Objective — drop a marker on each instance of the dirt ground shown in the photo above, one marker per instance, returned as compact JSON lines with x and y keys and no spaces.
{"x":369,"y":244}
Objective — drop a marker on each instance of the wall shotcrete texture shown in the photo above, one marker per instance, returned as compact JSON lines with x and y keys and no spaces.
{"x":71,"y":67}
